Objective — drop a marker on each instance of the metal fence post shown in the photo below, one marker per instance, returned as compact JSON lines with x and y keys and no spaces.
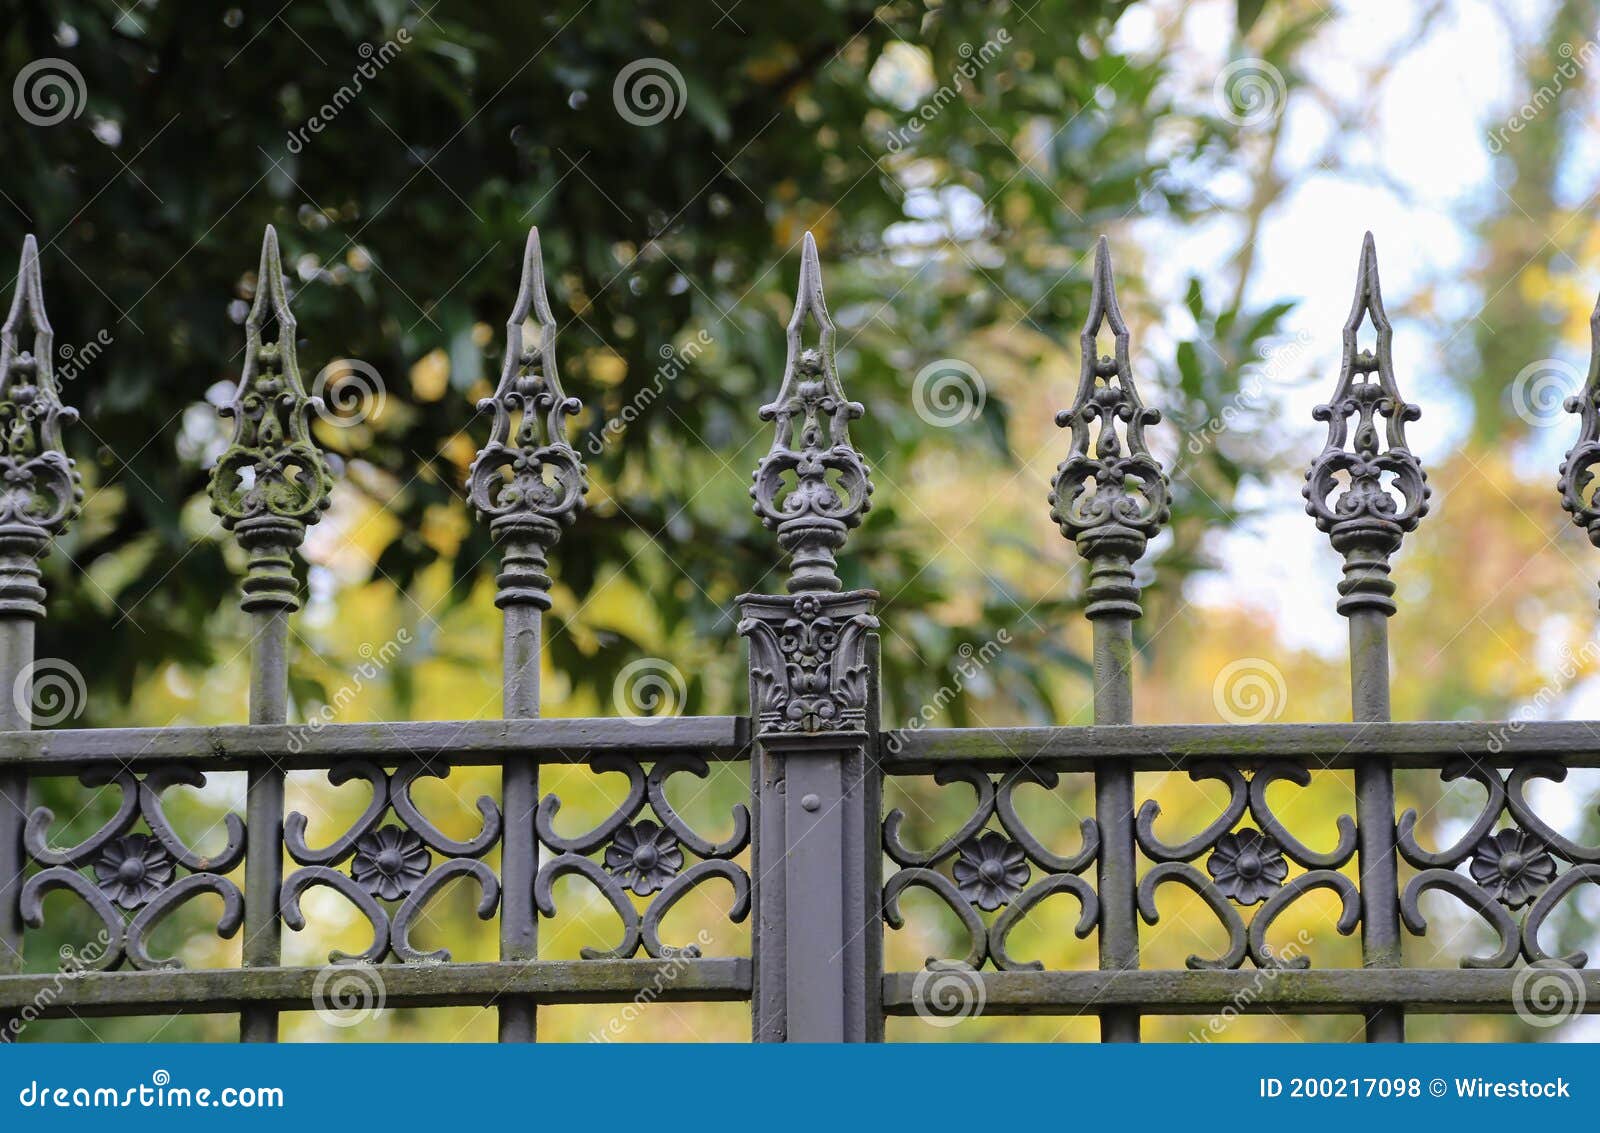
{"x":509,"y":487}
{"x":270,"y":483}
{"x":1111,"y":525}
{"x":1366,"y":524}
{"x":44,"y":497}
{"x":813,"y":679}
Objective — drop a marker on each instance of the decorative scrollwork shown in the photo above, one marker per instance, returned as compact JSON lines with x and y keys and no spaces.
{"x":42,"y":490}
{"x":1362,"y":515}
{"x":272,"y":469}
{"x":1246,"y":866}
{"x":528,"y":480}
{"x":389,"y":863}
{"x":135,"y":882}
{"x":1576,"y":485}
{"x":808,"y":661}
{"x":642,"y":856}
{"x":1506,"y":869}
{"x":992,"y":870}
{"x":1110,"y":494}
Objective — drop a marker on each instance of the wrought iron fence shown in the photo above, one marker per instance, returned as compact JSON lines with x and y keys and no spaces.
{"x":808,"y":851}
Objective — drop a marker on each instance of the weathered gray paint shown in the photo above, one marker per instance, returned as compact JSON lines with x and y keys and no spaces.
{"x":818,"y":754}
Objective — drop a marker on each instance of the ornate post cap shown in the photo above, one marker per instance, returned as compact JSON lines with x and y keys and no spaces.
{"x":1113,"y":523}
{"x":43,"y":491}
{"x":272,"y":481}
{"x":1577,"y":468}
{"x":1362,"y":516}
{"x":808,"y":648}
{"x":528,"y":481}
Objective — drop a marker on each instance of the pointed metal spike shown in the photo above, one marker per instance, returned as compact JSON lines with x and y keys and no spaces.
{"x":1103,"y":308}
{"x":533,"y":296}
{"x":812,"y":419}
{"x":1383,"y":492}
{"x":528,"y":435}
{"x":28,"y":298}
{"x":1369,"y":294}
{"x":273,"y":477}
{"x":1129,"y":501}
{"x":808,"y":299}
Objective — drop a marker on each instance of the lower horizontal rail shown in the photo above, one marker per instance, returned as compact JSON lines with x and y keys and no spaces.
{"x":1247,"y":991}
{"x":403,"y":985}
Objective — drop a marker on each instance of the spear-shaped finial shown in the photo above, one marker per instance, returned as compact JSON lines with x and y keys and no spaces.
{"x":811,"y":439}
{"x":1366,"y":519}
{"x":1113,"y":523}
{"x":44,"y":490}
{"x":528,"y":480}
{"x":273,"y":480}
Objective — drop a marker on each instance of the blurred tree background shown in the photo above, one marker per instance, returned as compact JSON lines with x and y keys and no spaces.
{"x":955,"y":161}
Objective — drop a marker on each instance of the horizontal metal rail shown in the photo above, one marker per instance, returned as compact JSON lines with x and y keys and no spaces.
{"x":459,"y":743}
{"x":674,"y":979}
{"x":1163,"y":747}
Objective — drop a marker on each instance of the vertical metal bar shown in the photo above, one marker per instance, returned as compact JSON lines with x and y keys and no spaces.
{"x":1112,"y":524}
{"x":263,"y":874}
{"x":1366,"y":490}
{"x":526,"y":481}
{"x":1380,"y":883}
{"x":16,"y":654}
{"x":266,"y":487}
{"x":45,"y":493}
{"x":1113,"y":803}
{"x":519,"y":796}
